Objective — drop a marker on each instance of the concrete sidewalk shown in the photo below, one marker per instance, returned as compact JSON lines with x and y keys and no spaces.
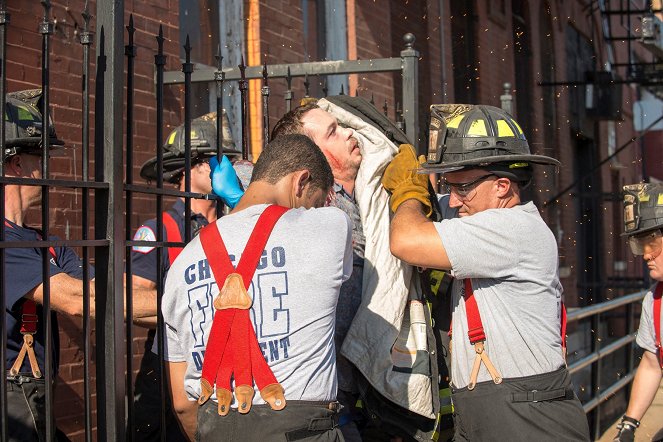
{"x":649,"y":425}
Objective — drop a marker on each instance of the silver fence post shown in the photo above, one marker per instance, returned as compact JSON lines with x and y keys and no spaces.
{"x":109,"y":300}
{"x":410,"y":58}
{"x":507,"y":99}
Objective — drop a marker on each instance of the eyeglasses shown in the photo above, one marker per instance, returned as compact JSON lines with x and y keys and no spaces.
{"x":463,"y":191}
{"x":647,"y":244}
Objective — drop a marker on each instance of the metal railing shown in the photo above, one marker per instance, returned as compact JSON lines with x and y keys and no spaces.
{"x":593,"y":360}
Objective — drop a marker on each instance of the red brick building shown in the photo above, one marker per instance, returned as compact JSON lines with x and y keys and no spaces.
{"x":468,"y":51}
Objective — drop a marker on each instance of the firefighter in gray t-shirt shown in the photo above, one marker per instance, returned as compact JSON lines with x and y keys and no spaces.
{"x":509,"y":378}
{"x":643,"y":224}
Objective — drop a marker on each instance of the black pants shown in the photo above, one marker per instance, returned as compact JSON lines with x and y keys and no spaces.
{"x":26,"y":410}
{"x":148,"y":403}
{"x":534,"y":408}
{"x":298,"y":421}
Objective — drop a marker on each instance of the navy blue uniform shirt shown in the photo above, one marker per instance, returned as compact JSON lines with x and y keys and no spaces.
{"x":22,"y":274}
{"x":144,"y":259}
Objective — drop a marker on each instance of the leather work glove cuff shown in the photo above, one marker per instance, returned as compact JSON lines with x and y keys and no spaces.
{"x":403,"y":181}
{"x":410,"y":190}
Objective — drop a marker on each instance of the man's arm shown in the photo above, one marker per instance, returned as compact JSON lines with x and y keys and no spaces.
{"x":645,"y":385}
{"x":66,"y":295}
{"x":144,"y":302}
{"x":185,"y":410}
{"x":414,"y":239}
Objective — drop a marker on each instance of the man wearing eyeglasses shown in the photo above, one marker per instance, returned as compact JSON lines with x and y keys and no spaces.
{"x":147,"y":408}
{"x":509,"y":377}
{"x":643,"y":224}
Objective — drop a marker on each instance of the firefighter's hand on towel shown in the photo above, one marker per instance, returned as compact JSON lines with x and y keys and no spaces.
{"x":403,"y":182}
{"x":225,"y":183}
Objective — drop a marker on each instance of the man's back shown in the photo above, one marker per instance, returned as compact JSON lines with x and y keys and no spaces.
{"x":511,"y":257}
{"x":294,"y":291}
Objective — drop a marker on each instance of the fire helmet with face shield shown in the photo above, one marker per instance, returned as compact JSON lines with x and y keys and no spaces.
{"x":643,"y":216}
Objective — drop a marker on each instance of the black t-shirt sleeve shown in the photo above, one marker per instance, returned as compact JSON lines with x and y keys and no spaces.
{"x":144,"y":259}
{"x":23,"y":272}
{"x":71,"y":264}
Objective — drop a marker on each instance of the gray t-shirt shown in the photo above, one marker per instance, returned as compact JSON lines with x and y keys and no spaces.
{"x":294,"y":291}
{"x":646,"y":338}
{"x":511,"y":257}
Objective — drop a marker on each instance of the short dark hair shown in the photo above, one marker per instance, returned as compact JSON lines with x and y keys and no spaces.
{"x":291,"y":153}
{"x":291,"y":123}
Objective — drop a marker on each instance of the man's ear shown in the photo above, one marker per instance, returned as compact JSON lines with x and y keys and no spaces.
{"x":302,"y":179}
{"x":13,"y":164}
{"x":504,"y":187}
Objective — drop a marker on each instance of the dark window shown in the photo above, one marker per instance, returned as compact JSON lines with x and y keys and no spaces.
{"x":463,"y":51}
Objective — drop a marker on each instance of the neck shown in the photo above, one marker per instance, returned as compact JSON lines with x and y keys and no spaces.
{"x":507,"y":203}
{"x":347,"y":183}
{"x":14,"y":207}
{"x":260,"y":192}
{"x":206,"y":208}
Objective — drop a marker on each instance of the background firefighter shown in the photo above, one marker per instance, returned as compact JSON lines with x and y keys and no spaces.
{"x":643,"y":224}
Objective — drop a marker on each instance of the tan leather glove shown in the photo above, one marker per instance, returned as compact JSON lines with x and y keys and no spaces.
{"x":403,"y":182}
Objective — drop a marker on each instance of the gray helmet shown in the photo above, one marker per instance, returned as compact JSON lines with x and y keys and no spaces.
{"x":478,"y":136}
{"x":203,"y":146}
{"x":643,"y":208}
{"x":24,"y":123}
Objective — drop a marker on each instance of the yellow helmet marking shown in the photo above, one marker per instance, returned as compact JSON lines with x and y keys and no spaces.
{"x":515,"y":123}
{"x":504,"y":130}
{"x":478,"y":129}
{"x":455,"y":121}
{"x":171,"y":139}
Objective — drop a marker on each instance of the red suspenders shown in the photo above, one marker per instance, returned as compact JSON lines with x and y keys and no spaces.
{"x":658,"y":292}
{"x":172,"y":235}
{"x":29,"y":320}
{"x":477,"y":336}
{"x":232,"y":346}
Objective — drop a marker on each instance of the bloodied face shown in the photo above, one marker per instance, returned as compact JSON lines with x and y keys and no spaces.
{"x":335,"y":141}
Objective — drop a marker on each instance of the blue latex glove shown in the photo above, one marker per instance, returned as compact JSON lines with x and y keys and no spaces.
{"x":225,"y":183}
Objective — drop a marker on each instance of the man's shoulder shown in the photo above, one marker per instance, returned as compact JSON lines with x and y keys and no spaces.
{"x":321,"y":218}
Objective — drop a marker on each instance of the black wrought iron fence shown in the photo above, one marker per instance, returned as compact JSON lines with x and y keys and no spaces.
{"x":114,"y":193}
